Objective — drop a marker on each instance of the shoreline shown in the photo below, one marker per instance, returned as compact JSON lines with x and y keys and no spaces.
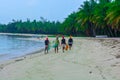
{"x":89,"y":56}
{"x":26,"y":53}
{"x":26,"y":56}
{"x":21,"y":34}
{"x":20,"y":58}
{"x":27,"y":34}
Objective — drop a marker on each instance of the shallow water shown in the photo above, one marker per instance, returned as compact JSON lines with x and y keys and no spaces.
{"x":15,"y":46}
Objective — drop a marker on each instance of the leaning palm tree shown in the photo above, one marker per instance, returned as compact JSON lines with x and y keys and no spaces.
{"x":86,"y":14}
{"x":70,"y":23}
{"x":113,"y":15}
{"x":99,"y":18}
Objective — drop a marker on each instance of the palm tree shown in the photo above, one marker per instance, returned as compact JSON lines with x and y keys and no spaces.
{"x":86,"y":14}
{"x":113,"y":15}
{"x":69,"y":25}
{"x":99,"y":18}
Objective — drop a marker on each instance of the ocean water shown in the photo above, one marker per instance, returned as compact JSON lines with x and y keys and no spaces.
{"x":12,"y":46}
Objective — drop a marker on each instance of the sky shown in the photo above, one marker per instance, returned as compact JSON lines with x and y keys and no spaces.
{"x":53,"y":10}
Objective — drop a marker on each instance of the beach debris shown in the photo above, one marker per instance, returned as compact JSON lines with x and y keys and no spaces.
{"x":1,"y":67}
{"x":19,"y":59}
{"x":113,"y":65}
{"x":90,"y":72}
{"x":109,"y":59}
{"x":113,"y":47}
{"x":117,"y":56}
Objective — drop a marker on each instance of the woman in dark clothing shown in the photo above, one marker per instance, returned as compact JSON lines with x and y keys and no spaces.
{"x":70,"y":42}
{"x":63,"y":43}
{"x":46,"y":45}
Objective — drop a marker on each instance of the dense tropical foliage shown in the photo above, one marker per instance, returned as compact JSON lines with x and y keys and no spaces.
{"x":94,"y":17}
{"x":37,"y":27}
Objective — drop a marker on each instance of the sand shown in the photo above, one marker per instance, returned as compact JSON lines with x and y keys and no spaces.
{"x":89,"y":59}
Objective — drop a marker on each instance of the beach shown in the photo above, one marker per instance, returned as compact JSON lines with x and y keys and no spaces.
{"x":89,"y":59}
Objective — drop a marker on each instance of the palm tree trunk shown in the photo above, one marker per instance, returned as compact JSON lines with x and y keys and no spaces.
{"x":92,"y":30}
{"x":94,"y":33}
{"x":115,"y":32}
{"x":110,"y":31}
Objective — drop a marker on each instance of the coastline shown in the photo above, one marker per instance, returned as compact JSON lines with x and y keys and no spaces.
{"x":21,"y":34}
{"x":33,"y":37}
{"x":89,"y":56}
{"x":26,"y":56}
{"x":25,"y":34}
{"x":20,"y":58}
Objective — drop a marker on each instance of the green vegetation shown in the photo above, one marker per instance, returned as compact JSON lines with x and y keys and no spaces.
{"x":94,"y":17}
{"x":41,"y":27}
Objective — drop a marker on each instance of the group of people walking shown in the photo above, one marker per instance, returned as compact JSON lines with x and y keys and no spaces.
{"x":56,"y":44}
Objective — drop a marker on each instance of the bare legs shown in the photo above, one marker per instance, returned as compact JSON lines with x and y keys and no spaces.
{"x":46,"y":49}
{"x":56,"y":49}
{"x":63,"y":49}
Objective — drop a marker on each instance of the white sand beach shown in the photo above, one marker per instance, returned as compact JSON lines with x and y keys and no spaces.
{"x":89,"y":59}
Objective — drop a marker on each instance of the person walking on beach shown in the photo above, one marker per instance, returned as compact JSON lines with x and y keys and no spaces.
{"x":63,"y":43}
{"x":46,"y":45}
{"x":56,"y":45}
{"x":70,"y":42}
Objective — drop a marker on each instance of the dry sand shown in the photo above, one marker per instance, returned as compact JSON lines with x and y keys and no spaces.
{"x":89,"y":59}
